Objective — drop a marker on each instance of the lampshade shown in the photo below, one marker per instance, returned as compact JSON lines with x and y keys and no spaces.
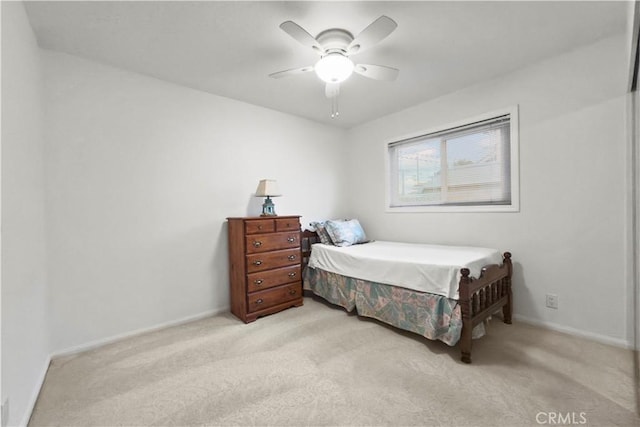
{"x":334,"y":68}
{"x":268,"y":188}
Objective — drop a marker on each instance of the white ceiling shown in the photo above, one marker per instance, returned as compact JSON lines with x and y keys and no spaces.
{"x":229,"y":48}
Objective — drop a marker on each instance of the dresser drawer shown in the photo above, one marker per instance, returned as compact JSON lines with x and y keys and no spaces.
{"x":287,"y":224}
{"x":260,"y":226}
{"x":269,"y":242}
{"x":270,"y":278}
{"x":269,"y":298}
{"x":268,"y":260}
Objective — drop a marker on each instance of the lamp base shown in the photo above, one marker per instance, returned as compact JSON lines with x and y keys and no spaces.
{"x":268,"y":208}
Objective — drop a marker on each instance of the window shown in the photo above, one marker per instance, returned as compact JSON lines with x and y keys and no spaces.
{"x":468,"y":167}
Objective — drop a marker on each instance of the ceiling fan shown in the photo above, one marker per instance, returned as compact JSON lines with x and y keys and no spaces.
{"x":335,"y":46}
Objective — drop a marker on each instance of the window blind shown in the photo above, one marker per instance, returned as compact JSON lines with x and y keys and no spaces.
{"x":465,"y":165}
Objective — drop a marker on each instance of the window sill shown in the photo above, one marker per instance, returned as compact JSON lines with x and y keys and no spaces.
{"x":449,"y":209}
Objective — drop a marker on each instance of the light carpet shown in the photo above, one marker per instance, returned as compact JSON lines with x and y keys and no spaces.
{"x":317,"y":365}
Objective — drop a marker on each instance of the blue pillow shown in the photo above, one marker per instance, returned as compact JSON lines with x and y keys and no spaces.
{"x":345,"y":233}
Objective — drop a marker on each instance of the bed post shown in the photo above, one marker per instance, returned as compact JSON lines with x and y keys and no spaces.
{"x":507,"y":309}
{"x":464,"y":298}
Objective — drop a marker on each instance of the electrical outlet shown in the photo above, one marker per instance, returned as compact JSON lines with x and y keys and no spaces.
{"x":4,"y":413}
{"x":552,"y":301}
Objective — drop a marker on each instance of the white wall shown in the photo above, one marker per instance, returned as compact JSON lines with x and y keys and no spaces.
{"x":25,"y":332}
{"x":569,"y":236}
{"x":141,"y":175}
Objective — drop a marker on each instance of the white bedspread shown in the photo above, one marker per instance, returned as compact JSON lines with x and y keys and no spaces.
{"x":425,"y":268}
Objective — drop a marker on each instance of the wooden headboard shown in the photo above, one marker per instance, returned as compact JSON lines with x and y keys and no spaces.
{"x":307,"y":238}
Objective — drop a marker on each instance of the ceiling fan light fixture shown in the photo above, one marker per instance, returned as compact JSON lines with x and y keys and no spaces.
{"x":334,"y":68}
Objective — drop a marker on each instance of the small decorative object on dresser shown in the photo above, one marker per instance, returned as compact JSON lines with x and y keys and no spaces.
{"x":268,"y":188}
{"x":264,"y":265}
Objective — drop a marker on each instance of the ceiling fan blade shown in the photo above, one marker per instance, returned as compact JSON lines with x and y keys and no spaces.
{"x":301,"y":35}
{"x":292,"y":72}
{"x":374,"y":33}
{"x":377,"y":72}
{"x":332,"y":90}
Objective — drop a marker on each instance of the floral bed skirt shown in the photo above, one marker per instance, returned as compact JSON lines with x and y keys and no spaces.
{"x":432,"y":316}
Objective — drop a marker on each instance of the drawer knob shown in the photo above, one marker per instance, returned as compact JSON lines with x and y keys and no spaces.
{"x":291,"y":239}
{"x":292,"y":274}
{"x":292,"y":291}
{"x":257,"y":243}
{"x":259,"y":227}
{"x":259,"y":301}
{"x":258,"y":282}
{"x":291,"y":257}
{"x":258,"y":262}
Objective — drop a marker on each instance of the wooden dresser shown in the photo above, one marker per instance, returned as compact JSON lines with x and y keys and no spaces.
{"x":264,"y":265}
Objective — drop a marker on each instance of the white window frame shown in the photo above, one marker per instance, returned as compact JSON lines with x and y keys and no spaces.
{"x":514,"y":143}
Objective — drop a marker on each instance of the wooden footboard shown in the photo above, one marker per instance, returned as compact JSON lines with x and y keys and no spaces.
{"x":480,"y":298}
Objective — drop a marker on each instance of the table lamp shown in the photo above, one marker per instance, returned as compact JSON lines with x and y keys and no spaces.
{"x":268,"y":188}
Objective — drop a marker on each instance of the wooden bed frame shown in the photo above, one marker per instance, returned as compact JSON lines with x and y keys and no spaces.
{"x":479,"y":298}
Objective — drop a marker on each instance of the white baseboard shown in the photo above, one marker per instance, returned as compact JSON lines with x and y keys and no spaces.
{"x":104,"y":341}
{"x":31,"y":404}
{"x":617,"y":342}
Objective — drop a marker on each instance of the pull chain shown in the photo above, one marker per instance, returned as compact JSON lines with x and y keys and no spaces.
{"x":334,"y":107}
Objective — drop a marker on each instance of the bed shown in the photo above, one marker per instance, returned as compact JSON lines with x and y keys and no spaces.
{"x":446,"y":299}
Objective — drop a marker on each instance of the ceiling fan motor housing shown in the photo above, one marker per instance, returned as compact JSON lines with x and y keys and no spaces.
{"x":335,"y":40}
